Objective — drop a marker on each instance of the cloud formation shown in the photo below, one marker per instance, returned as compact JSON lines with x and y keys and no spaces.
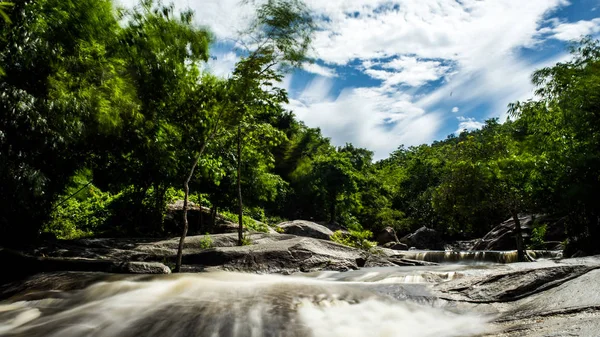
{"x":393,"y":72}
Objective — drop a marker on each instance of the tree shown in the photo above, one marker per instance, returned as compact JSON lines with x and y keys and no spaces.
{"x":3,"y":7}
{"x":58,"y":99}
{"x":563,"y":124}
{"x":162,"y":51}
{"x":276,"y":42}
{"x":335,"y":181}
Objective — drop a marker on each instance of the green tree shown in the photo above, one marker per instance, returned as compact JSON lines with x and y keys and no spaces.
{"x":563,"y":124}
{"x":58,"y":99}
{"x":276,"y":42}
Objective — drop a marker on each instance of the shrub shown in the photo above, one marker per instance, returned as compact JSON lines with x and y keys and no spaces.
{"x":538,"y":235}
{"x":247,"y":221}
{"x":206,"y":242}
{"x":75,"y":218}
{"x":355,"y":238}
{"x":246,"y":241}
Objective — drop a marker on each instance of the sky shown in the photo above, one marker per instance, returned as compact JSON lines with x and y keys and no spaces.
{"x":407,"y":72}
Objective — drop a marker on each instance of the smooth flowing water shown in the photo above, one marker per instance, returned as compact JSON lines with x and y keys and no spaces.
{"x":477,"y":256}
{"x":368,"y":302}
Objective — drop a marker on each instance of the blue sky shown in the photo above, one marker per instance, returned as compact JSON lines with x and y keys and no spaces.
{"x":392,"y":72}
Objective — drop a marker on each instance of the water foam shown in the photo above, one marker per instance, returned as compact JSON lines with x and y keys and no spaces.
{"x":229,"y":305}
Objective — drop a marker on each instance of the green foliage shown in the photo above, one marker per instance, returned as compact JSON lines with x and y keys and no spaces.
{"x":246,"y":241}
{"x":75,"y":217}
{"x":121,"y":98}
{"x":538,"y":234}
{"x":247,"y":221}
{"x":206,"y":242}
{"x":173,"y":194}
{"x":355,"y":238}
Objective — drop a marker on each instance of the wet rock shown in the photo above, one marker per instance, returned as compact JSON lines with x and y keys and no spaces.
{"x":21,"y":264}
{"x":306,"y":229}
{"x":388,"y":234}
{"x":540,"y":299}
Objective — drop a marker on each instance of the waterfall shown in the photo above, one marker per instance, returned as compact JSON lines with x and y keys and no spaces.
{"x":476,"y":256}
{"x":226,"y":305}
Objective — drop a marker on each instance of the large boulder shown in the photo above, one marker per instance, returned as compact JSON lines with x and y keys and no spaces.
{"x":306,"y":229}
{"x":424,"y":238}
{"x":502,"y":236}
{"x":285,"y":256}
{"x":388,"y":234}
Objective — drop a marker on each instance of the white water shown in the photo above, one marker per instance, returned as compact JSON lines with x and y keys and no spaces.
{"x":229,"y":304}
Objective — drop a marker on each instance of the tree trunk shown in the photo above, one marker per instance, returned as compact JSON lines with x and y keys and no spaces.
{"x":213,"y":216}
{"x":186,"y":189}
{"x":239,"y":186}
{"x":519,"y":237}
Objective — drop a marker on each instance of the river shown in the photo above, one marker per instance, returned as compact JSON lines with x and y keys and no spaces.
{"x":390,"y":301}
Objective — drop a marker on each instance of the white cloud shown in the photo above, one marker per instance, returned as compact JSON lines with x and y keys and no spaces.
{"x":572,"y":31}
{"x":467,"y":124}
{"x":319,"y":70}
{"x":222,"y":64}
{"x":406,"y":70}
{"x":471,"y":46}
{"x":367,"y":117}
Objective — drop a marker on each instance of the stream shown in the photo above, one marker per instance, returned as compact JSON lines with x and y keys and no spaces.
{"x":385,"y":301}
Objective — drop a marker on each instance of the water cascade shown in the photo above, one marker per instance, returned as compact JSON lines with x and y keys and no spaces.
{"x":465,"y":257}
{"x":226,"y":305}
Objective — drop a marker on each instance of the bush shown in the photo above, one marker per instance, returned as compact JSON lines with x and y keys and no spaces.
{"x":247,"y":221}
{"x":538,"y":235}
{"x":206,"y":242}
{"x":75,"y":218}
{"x":173,"y":195}
{"x":355,"y":238}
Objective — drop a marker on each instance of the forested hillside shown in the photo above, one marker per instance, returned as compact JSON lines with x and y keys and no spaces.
{"x":107,"y":115}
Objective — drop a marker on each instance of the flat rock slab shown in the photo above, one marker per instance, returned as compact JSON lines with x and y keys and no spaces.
{"x":285,"y":256}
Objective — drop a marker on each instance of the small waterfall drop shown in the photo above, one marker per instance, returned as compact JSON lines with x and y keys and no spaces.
{"x":226,"y":305}
{"x":474,"y":257}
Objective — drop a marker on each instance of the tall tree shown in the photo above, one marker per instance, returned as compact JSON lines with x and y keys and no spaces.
{"x":564,"y":126}
{"x":277,"y":41}
{"x":64,"y":89}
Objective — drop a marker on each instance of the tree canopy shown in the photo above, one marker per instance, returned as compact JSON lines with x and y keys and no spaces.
{"x":110,"y":114}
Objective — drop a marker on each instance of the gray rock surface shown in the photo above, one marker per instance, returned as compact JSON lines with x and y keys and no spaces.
{"x":388,"y":234}
{"x":306,"y":229}
{"x":501,"y":237}
{"x":424,"y":238}
{"x":285,"y":256}
{"x":548,"y":298}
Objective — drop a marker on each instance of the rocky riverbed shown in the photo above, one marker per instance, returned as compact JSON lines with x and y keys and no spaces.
{"x":328,"y":283}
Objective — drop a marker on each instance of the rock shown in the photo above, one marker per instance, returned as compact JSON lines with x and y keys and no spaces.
{"x":501,"y":237}
{"x":23,"y":264}
{"x":550,"y":298}
{"x":137,"y":267}
{"x":424,"y":238}
{"x":199,"y":220}
{"x":285,"y":256}
{"x":306,"y":229}
{"x":461,"y":245}
{"x":388,"y":234}
{"x":396,"y":246}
